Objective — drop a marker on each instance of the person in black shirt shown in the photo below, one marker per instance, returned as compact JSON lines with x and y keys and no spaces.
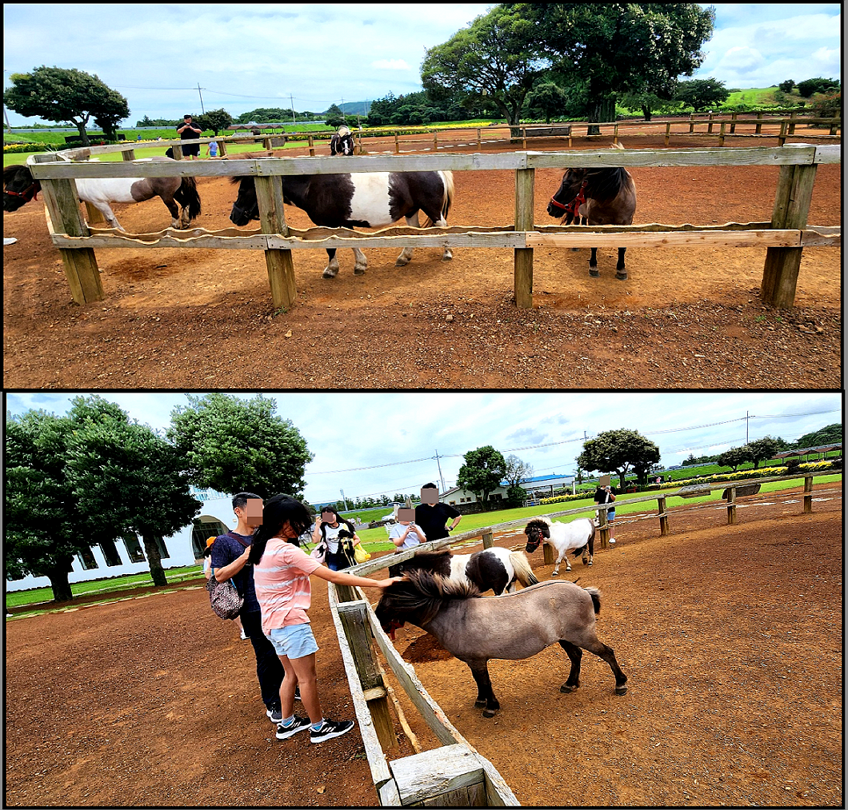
{"x":432,"y":516}
{"x":189,"y":132}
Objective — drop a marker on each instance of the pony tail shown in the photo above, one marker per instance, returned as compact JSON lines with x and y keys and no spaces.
{"x":596,"y":598}
{"x":447,"y":198}
{"x":190,"y":197}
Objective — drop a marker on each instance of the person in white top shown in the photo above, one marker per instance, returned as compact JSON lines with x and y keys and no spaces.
{"x":405,"y":534}
{"x":339,"y":550}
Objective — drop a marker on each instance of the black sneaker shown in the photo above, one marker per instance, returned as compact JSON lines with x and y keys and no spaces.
{"x":329,"y":729}
{"x":299,"y":724}
{"x":275,"y":714}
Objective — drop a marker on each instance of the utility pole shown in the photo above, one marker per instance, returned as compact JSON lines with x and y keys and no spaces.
{"x":202,"y":111}
{"x":294,"y":121}
{"x":344,"y":500}
{"x":746,"y":427}
{"x":441,"y":477}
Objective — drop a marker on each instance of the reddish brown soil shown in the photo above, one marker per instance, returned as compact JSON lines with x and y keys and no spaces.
{"x":684,"y":318}
{"x":731,"y":638}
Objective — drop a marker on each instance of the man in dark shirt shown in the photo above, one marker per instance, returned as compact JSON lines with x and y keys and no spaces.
{"x":431,"y":515}
{"x":229,"y":560}
{"x":189,"y":131}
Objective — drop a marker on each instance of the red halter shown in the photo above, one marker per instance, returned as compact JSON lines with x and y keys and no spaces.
{"x":574,"y":206}
{"x":30,"y":193}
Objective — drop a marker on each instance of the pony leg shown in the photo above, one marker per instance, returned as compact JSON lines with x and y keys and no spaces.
{"x":593,"y":263}
{"x":576,"y":656}
{"x":596,"y":646}
{"x":563,"y":555}
{"x":179,"y":220}
{"x":361,"y":262}
{"x":406,"y":254}
{"x":620,"y":269}
{"x":485,"y":695}
{"x":110,"y":217}
{"x":333,"y":266}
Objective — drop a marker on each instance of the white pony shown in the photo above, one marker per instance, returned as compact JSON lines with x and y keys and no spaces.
{"x":578,"y":535}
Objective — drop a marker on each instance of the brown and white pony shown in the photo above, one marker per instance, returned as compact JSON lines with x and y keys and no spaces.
{"x":342,"y":142}
{"x":19,"y":187}
{"x":367,"y":199}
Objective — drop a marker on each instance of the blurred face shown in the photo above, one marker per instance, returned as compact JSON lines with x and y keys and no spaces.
{"x":328,"y":517}
{"x":406,"y":515}
{"x":430,"y":496}
{"x":251,"y":514}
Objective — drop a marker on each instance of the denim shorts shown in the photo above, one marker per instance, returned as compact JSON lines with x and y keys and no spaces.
{"x":294,"y":641}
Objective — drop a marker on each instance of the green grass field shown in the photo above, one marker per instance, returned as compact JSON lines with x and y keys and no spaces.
{"x":375,"y":540}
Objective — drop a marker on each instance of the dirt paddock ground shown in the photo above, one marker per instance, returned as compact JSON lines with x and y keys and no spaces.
{"x":731,"y":638}
{"x":685,"y":318}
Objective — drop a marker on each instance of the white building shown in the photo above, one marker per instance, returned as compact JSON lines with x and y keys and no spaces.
{"x":540,"y":485}
{"x":125,"y":555}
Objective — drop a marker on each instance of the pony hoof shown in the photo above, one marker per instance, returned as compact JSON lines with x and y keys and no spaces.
{"x":621,"y":275}
{"x":567,"y":689}
{"x":359,"y":271}
{"x":401,"y":262}
{"x":555,"y":574}
{"x":479,"y":704}
{"x":488,"y":712}
{"x":621,"y":690}
{"x":594,"y":273}
{"x":589,"y":563}
{"x":330,"y":274}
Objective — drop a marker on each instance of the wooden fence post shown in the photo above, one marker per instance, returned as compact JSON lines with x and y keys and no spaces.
{"x":311,"y":141}
{"x":791,"y":206}
{"x":397,"y":144}
{"x":759,"y":127}
{"x":781,"y":138}
{"x":663,"y":515}
{"x":808,"y":494}
{"x":128,"y":154}
{"x":178,"y":151}
{"x":269,"y":195}
{"x":479,"y":141}
{"x":488,"y":539}
{"x":80,"y":264}
{"x":733,"y":117}
{"x":523,"y":260}
{"x":710,"y":127}
{"x":603,"y":526}
{"x":721,"y":134}
{"x":731,"y":507}
{"x":354,"y":620}
{"x":615,"y":134}
{"x":668,"y":132}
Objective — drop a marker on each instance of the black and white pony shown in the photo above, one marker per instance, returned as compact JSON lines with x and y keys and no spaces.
{"x":494,"y":568}
{"x":19,"y":187}
{"x":577,"y":537}
{"x":367,"y":199}
{"x":601,"y":197}
{"x":342,"y":142}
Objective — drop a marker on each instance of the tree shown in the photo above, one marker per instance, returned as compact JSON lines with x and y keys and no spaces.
{"x":334,"y":117}
{"x":786,"y":87}
{"x":127,"y":478}
{"x":216,"y":120}
{"x":45,"y":529}
{"x":619,"y":451}
{"x":66,"y":96}
{"x":734,"y":457}
{"x":818,"y":85}
{"x":763,"y":449}
{"x":832,"y":434}
{"x":495,"y":57}
{"x":616,"y":48}
{"x":515,"y":472}
{"x":549,"y":99}
{"x":482,"y":472}
{"x":702,"y":94}
{"x":232,"y":445}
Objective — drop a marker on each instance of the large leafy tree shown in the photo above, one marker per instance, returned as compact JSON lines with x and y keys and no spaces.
{"x":620,"y":451}
{"x":45,"y":528}
{"x":495,"y":58}
{"x":66,"y":96}
{"x":127,"y":478}
{"x":616,"y":48}
{"x":216,"y":120}
{"x":763,"y":449}
{"x":482,"y":472}
{"x":734,"y":457}
{"x":702,"y":94}
{"x":231,"y":445}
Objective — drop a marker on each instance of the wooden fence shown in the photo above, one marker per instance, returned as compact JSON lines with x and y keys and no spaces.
{"x":784,"y":237}
{"x":454,"y":774}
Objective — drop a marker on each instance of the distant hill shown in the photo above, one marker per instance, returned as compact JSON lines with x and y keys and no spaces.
{"x":353,"y":108}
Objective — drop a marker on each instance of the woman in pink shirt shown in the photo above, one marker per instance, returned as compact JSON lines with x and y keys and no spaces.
{"x":281,"y":572}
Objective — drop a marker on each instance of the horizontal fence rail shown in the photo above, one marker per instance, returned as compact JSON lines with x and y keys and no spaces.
{"x":784,"y":237}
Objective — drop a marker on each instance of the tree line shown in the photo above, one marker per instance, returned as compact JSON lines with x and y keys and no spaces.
{"x":519,"y":60}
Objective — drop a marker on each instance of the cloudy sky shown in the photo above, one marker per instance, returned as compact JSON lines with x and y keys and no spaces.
{"x":395,"y":437}
{"x":248,"y":56}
